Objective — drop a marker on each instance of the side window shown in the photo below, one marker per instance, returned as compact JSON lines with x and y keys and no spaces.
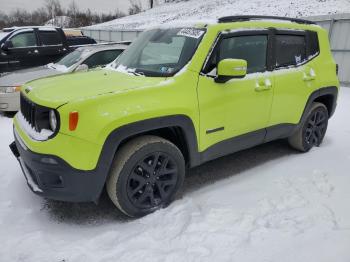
{"x":24,"y":39}
{"x":313,"y":44}
{"x":253,"y":49}
{"x":50,"y":38}
{"x":102,"y":58}
{"x":290,"y":50}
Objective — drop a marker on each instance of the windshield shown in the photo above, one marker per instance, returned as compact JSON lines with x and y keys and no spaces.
{"x":71,"y":58}
{"x":3,"y":34}
{"x":160,"y":52}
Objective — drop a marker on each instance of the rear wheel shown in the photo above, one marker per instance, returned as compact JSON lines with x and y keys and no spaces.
{"x":147,"y":173}
{"x":312,"y":131}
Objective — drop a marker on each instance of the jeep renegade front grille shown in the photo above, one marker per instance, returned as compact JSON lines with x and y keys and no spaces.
{"x":28,"y":110}
{"x":37,"y":116}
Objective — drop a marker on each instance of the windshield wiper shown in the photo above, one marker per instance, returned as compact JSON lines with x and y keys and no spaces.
{"x":136,"y":73}
{"x":51,"y":65}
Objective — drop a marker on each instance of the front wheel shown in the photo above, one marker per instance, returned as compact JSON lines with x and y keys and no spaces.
{"x":146,"y":174}
{"x":312,"y":131}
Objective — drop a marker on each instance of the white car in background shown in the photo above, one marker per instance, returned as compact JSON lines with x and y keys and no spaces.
{"x":82,"y":59}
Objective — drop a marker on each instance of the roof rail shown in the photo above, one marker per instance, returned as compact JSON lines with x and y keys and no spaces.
{"x":241,"y":18}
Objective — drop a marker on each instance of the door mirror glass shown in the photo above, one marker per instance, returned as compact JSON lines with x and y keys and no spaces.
{"x":231,"y":68}
{"x":82,"y":68}
{"x":7,"y":45}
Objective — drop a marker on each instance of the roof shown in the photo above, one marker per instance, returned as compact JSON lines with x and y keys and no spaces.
{"x":240,"y":18}
{"x":10,"y":29}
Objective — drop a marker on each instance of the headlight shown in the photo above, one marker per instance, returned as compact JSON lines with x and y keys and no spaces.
{"x":53,"y":120}
{"x":10,"y":89}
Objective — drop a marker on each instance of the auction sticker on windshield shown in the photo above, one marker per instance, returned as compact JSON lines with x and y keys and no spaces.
{"x":191,"y":32}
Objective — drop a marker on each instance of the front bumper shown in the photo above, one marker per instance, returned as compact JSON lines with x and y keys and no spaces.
{"x":9,"y":102}
{"x":51,"y":177}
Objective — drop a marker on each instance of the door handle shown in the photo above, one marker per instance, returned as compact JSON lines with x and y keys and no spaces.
{"x":36,"y":51}
{"x":309,"y":76}
{"x":263,"y":85}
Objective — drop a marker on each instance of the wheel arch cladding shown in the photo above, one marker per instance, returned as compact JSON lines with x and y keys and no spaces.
{"x":182,"y":134}
{"x":327,"y":96}
{"x":329,"y":101}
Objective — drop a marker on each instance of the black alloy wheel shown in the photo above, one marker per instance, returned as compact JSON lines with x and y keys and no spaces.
{"x":152,"y":180}
{"x":147,"y":174}
{"x":316,"y":127}
{"x":312,"y":130}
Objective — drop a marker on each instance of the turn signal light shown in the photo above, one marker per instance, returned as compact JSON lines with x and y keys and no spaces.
{"x":73,"y":120}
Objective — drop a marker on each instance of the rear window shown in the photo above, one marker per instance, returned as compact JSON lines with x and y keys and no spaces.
{"x":313,"y":44}
{"x":290,"y":50}
{"x":50,"y":38}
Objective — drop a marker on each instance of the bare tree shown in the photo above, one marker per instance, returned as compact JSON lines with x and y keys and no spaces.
{"x":135,"y":7}
{"x":39,"y":16}
{"x":72,"y":12}
{"x":54,"y":9}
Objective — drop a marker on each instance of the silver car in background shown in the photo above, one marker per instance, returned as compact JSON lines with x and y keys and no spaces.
{"x":82,"y":59}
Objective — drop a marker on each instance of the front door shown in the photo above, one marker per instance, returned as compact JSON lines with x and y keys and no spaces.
{"x":239,"y":108}
{"x":23,"y":51}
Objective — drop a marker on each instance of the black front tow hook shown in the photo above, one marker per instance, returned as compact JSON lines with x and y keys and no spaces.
{"x":14,"y":149}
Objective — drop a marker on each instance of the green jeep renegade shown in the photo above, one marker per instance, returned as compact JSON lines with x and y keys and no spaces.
{"x":178,"y":97}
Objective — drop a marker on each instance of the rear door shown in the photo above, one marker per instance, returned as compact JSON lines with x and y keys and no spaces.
{"x":295,"y":74}
{"x":24,"y":51}
{"x":51,"y":45}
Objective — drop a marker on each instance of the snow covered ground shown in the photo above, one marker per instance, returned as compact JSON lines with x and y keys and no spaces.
{"x":268,"y":203}
{"x":194,"y":10}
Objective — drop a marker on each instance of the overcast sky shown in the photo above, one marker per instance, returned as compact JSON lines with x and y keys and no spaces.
{"x":104,"y":6}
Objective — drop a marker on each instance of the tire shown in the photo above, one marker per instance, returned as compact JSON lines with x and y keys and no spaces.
{"x":312,"y":131}
{"x":138,"y":185}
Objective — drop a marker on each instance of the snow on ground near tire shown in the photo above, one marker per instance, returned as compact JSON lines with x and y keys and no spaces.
{"x":268,"y":203}
{"x":194,"y":10}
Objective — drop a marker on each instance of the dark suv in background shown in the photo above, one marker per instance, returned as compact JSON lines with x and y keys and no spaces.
{"x":23,"y":47}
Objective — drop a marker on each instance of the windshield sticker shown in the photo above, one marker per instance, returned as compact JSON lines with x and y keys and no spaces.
{"x":165,"y":69}
{"x":298,"y":59}
{"x":191,"y":32}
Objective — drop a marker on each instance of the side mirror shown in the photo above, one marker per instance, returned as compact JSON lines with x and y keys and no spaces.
{"x":231,"y":68}
{"x":82,"y":68}
{"x":7,"y":45}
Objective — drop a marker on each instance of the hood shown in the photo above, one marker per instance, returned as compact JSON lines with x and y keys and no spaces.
{"x":59,"y":90}
{"x":20,"y":77}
